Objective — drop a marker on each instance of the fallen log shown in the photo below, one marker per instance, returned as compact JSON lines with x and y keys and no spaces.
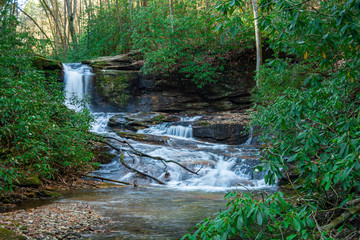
{"x":107,"y":179}
{"x":353,"y":202}
{"x":342,"y":218}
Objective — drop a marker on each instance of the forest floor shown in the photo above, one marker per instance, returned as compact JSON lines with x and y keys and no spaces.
{"x":52,"y":221}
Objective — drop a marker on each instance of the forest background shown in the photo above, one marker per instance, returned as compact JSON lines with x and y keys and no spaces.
{"x":307,"y":103}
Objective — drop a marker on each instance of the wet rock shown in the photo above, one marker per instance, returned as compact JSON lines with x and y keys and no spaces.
{"x":113,"y":85}
{"x":29,"y":181}
{"x":48,"y":194}
{"x":134,"y":122}
{"x":152,"y":139}
{"x":225,"y":105}
{"x":220,"y":133}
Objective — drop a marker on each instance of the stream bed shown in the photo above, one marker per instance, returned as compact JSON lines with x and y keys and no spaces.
{"x":148,"y":213}
{"x":151,"y":210}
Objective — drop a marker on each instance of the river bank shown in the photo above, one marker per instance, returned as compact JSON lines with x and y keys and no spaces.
{"x":54,"y":221}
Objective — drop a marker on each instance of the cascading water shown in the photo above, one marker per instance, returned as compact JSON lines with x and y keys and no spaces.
{"x":76,"y":78}
{"x":161,"y":212}
{"x":169,"y":129}
{"x":222,"y":167}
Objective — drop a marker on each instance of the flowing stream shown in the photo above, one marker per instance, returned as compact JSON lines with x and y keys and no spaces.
{"x":154,"y":211}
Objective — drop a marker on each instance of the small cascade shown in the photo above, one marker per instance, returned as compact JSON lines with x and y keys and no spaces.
{"x":181,"y":129}
{"x":101,"y":121}
{"x":251,"y":135}
{"x":169,"y":129}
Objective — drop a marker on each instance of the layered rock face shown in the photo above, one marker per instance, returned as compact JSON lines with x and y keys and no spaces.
{"x":118,"y":80}
{"x":225,"y":127}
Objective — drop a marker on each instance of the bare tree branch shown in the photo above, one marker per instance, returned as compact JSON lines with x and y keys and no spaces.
{"x":141,"y":154}
{"x":108,"y":179}
{"x":137,"y":171}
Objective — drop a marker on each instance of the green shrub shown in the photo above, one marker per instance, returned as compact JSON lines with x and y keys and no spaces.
{"x":37,"y":132}
{"x":308,"y":113}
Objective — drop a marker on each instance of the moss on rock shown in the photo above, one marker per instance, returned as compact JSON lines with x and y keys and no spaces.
{"x":42,"y":63}
{"x":152,"y":139}
{"x":6,"y":234}
{"x":29,"y":181}
{"x":114,"y":85}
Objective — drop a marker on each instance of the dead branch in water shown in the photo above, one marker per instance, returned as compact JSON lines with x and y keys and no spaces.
{"x":127,"y":166}
{"x":141,"y":154}
{"x":108,"y":179}
{"x":137,"y":171}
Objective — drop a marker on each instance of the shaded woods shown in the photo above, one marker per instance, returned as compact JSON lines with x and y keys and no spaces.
{"x":306,"y":102}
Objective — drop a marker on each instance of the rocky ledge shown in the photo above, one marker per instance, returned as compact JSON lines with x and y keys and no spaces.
{"x":230,"y":127}
{"x":118,"y":79}
{"x":225,"y":127}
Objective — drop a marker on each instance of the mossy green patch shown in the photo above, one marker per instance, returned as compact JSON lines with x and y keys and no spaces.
{"x":6,"y":234}
{"x":143,"y":137}
{"x":48,"y":194}
{"x":43,"y":63}
{"x":29,"y":181}
{"x":114,"y":86}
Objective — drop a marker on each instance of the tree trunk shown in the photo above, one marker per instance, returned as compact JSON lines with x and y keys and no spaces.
{"x":71,"y":16}
{"x":66,"y":38}
{"x":171,"y":17}
{"x":118,"y":15}
{"x":258,"y":40}
{"x":130,"y":9}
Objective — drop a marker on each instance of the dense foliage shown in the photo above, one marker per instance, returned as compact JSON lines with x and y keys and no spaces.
{"x":182,"y":43}
{"x":308,"y":108}
{"x":38,"y":134}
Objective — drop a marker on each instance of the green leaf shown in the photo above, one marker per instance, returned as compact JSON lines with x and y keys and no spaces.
{"x":240,"y":222}
{"x":259,"y":218}
{"x":296,"y":224}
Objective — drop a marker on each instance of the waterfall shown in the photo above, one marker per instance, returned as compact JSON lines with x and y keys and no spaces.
{"x":221,"y":167}
{"x":76,"y":79}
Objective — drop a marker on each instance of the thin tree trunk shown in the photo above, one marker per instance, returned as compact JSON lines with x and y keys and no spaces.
{"x":66,"y":38}
{"x":258,"y":40}
{"x":171,"y":17}
{"x":130,"y":8}
{"x":42,"y":31}
{"x":56,"y":21}
{"x":71,"y":15}
{"x":118,"y":15}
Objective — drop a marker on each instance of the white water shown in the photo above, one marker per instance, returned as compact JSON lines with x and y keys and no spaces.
{"x":168,"y":129}
{"x":76,"y":78}
{"x":221,"y":167}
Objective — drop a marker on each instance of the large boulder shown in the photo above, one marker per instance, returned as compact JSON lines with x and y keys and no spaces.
{"x":136,"y":121}
{"x":49,"y":66}
{"x":46,"y":64}
{"x":225,"y":127}
{"x":221,"y":133}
